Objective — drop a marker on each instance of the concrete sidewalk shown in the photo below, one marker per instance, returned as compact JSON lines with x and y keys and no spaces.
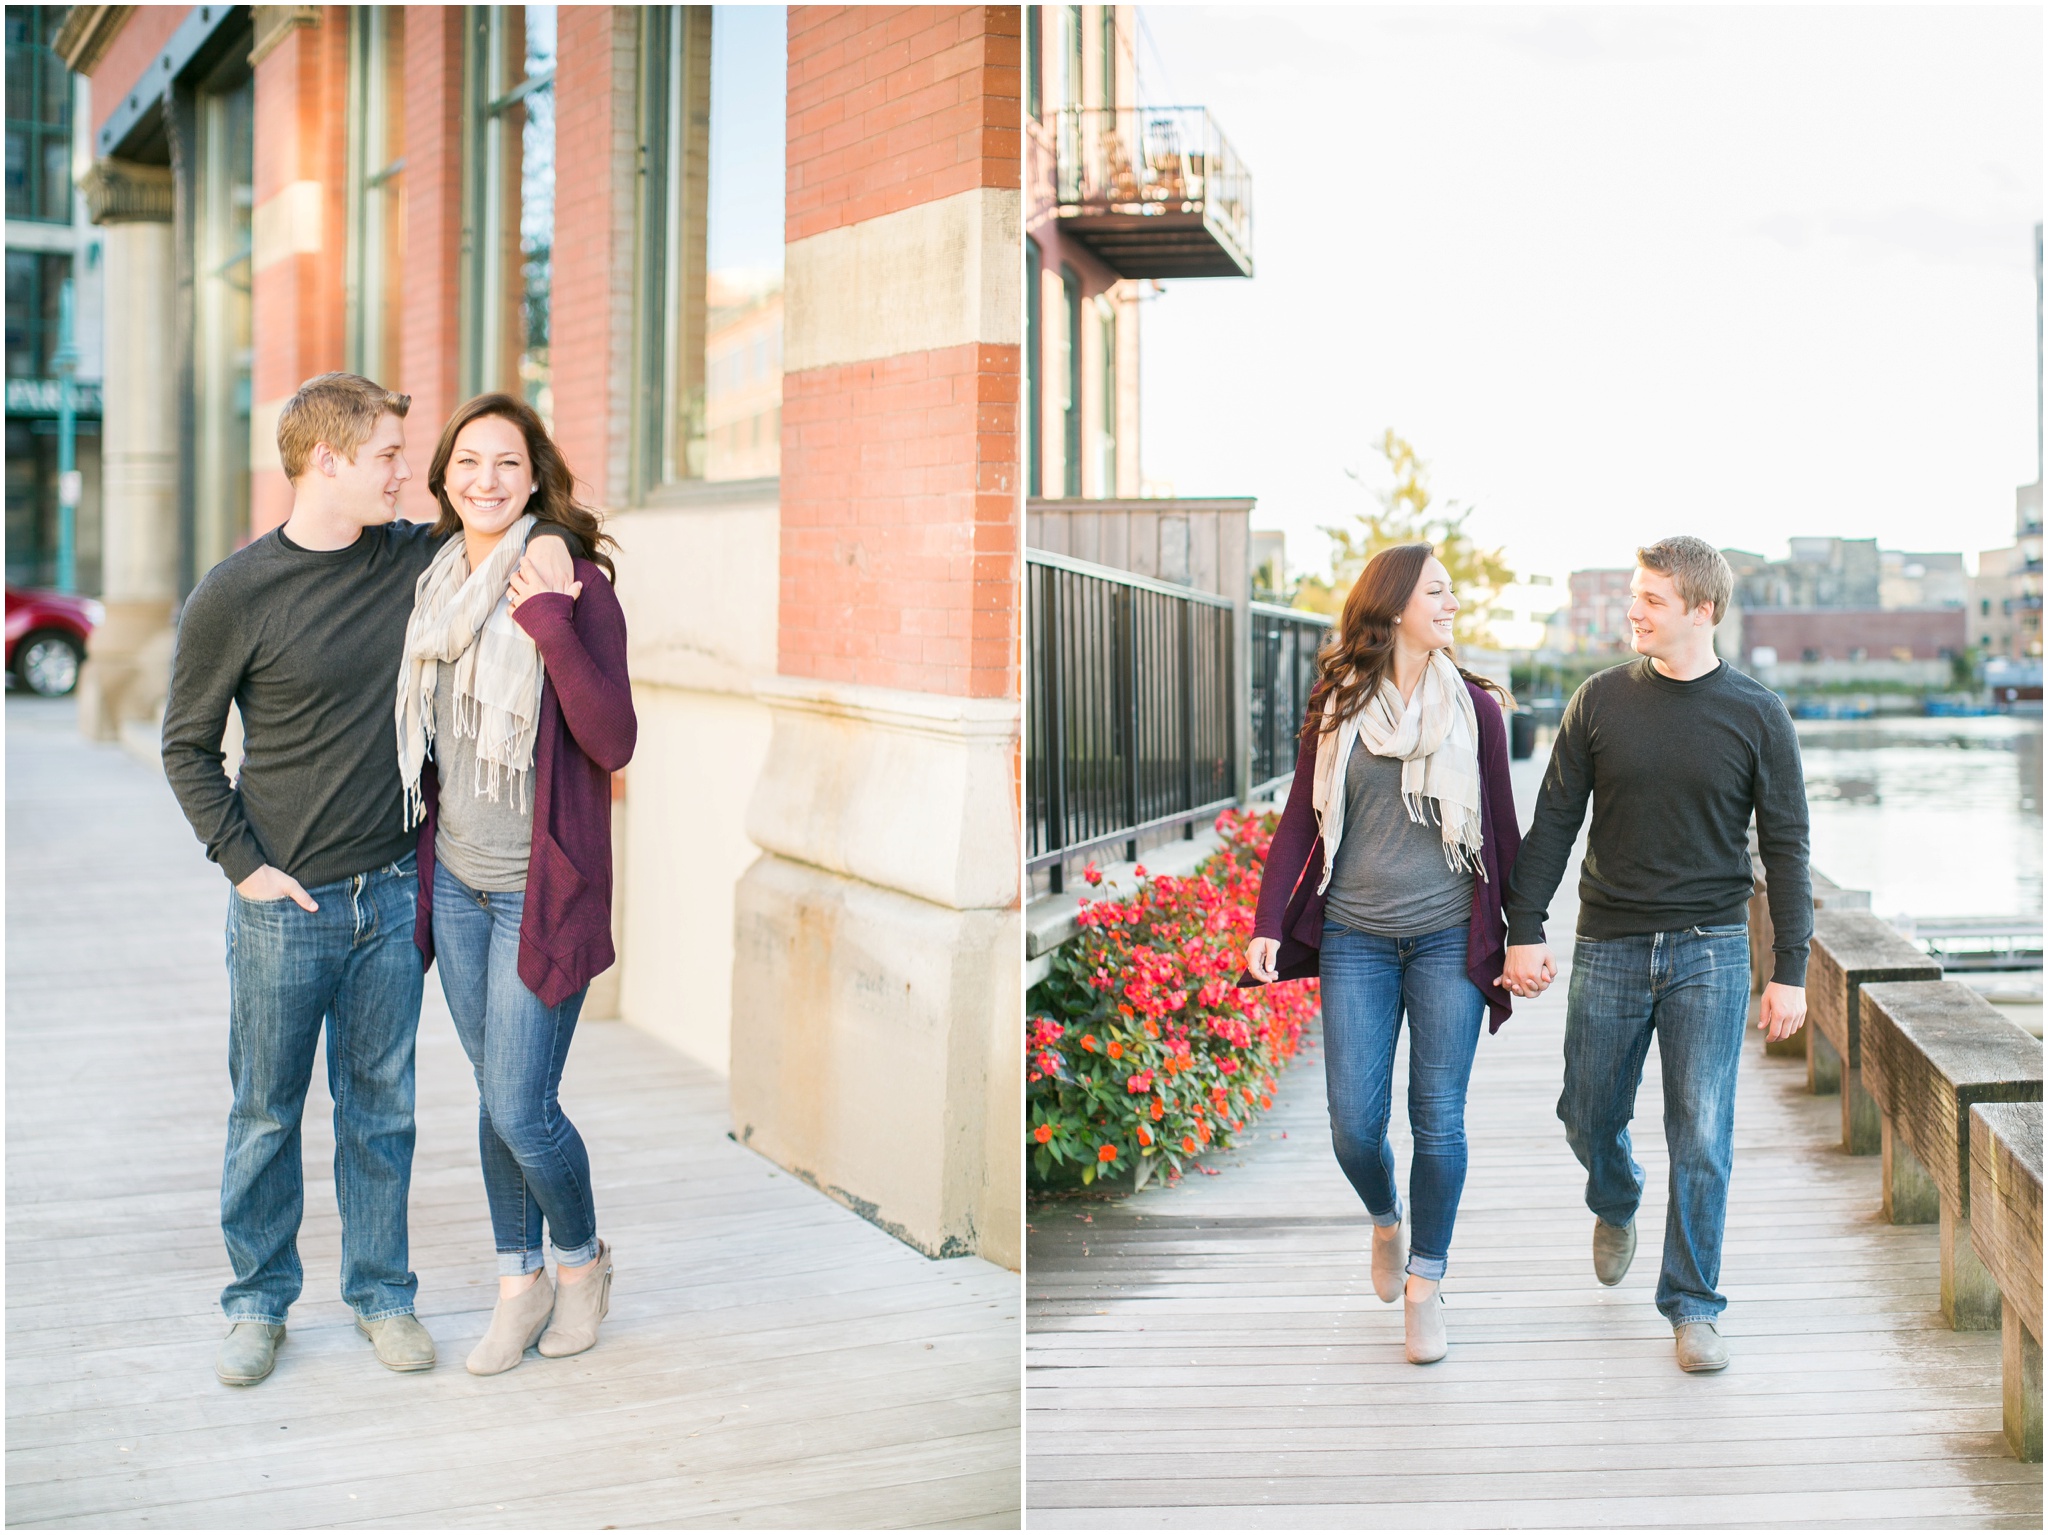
{"x":770,"y":1359}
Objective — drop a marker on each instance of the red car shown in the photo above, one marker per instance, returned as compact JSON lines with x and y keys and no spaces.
{"x":46,"y":635}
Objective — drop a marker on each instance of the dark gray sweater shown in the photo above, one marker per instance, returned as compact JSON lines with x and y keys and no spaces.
{"x":306,"y":643}
{"x":1675,"y":770}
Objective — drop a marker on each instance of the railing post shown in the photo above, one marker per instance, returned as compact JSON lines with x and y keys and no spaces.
{"x":1127,"y":607}
{"x":1055,"y":721}
{"x":1187,"y":712}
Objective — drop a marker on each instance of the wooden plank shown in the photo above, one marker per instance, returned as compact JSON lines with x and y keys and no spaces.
{"x":1932,"y":1049}
{"x":1211,"y":1355}
{"x":1851,"y":949}
{"x":2005,"y":1222}
{"x":770,"y":1358}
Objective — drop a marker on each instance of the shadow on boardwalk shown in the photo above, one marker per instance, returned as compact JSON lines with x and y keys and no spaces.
{"x":770,"y":1360}
{"x":1213,"y":1355}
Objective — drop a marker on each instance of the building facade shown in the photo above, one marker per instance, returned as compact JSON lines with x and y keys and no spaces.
{"x":51,"y":245}
{"x":758,"y":270}
{"x":1598,"y":609}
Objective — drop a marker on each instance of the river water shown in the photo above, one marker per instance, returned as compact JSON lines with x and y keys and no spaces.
{"x":1935,"y":818}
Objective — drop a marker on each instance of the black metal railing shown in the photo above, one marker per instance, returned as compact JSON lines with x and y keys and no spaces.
{"x":1130,"y":728}
{"x":1284,"y":646}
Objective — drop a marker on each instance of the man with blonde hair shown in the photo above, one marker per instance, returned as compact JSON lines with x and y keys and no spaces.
{"x":302,"y":631}
{"x":1676,"y":751}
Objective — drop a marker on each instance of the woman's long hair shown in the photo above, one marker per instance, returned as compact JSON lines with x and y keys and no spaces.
{"x":1359,"y":654}
{"x":555,"y":499}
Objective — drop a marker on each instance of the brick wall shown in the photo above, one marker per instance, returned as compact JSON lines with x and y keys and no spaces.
{"x":134,"y":49}
{"x":592,"y":303}
{"x":901,"y":502}
{"x":1836,"y":634}
{"x":302,"y":224}
{"x":891,"y":106}
{"x":428,"y":327}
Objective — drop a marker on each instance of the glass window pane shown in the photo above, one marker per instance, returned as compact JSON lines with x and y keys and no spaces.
{"x":537,"y":215}
{"x":743,"y":277}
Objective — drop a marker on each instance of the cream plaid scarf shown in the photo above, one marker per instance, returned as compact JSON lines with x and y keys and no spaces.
{"x":1436,"y":736}
{"x":463,"y":618}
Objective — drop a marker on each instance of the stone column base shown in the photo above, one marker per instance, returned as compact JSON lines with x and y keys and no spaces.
{"x":870,"y":1034}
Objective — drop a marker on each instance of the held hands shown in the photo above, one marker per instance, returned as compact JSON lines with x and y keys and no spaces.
{"x":268,"y":884}
{"x":1782,"y":1012}
{"x":545,"y":567}
{"x":1261,"y":956}
{"x":1528,"y":971}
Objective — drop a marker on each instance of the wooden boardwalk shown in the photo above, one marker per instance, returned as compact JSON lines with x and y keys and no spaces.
{"x":771,"y":1360}
{"x":1213,"y":1355}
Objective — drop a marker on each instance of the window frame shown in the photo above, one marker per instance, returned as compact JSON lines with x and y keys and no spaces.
{"x":374,"y":191}
{"x":488,"y":320}
{"x":1034,"y":367}
{"x":38,"y":129}
{"x":1070,"y":283}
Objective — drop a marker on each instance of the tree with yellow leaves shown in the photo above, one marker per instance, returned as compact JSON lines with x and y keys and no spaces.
{"x":1405,"y":515}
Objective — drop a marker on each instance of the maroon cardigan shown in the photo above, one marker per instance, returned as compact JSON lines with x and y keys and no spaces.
{"x":586,"y":734}
{"x":1291,"y":908}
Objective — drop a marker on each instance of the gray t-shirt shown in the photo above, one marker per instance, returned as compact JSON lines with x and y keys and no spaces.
{"x":484,"y":842}
{"x":1391,"y":879}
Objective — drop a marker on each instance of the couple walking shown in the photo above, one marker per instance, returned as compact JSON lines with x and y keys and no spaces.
{"x":431,"y":717}
{"x":1399,"y":875}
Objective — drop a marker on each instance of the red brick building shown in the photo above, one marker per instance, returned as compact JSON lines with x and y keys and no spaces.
{"x":761,"y":270}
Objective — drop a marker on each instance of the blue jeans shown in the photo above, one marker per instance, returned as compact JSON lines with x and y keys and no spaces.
{"x":351,"y":965}
{"x":1367,"y":984}
{"x":534,"y":1161}
{"x":1691,"y":988}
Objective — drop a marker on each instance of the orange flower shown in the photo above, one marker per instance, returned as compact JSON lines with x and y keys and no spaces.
{"x":1151,"y":1029}
{"x":1202,"y":1130}
{"x":1106,"y":1154}
{"x":1043,"y":1134}
{"x":1144,"y":1136}
{"x":1090,"y":1042}
{"x":1116,"y":1051}
{"x":1159,"y":1108}
{"x":1187,"y":1144}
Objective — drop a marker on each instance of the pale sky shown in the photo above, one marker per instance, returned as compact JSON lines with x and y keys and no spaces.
{"x":1747,"y":273}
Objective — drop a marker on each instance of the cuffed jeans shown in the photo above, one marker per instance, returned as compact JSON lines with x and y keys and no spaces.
{"x":1368,"y":982}
{"x":534,"y":1161}
{"x":351,"y":965}
{"x":1691,"y":988}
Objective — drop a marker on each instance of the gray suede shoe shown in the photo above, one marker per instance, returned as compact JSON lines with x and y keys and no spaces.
{"x":248,"y":1352}
{"x":1701,"y":1350}
{"x":1424,"y":1325}
{"x":1389,"y":1259}
{"x":579,"y":1307}
{"x":1614,"y":1248}
{"x":402,"y":1343}
{"x":515,"y":1323}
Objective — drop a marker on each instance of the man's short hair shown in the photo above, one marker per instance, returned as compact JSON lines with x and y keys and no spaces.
{"x":1701,"y":572}
{"x":339,"y":409}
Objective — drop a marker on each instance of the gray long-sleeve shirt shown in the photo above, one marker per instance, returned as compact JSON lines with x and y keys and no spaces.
{"x":306,"y":643}
{"x":1674,"y":770}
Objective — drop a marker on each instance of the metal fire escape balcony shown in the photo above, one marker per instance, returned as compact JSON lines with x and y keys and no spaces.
{"x":1154,"y":191}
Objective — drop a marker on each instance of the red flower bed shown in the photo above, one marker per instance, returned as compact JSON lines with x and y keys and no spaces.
{"x":1141,"y":1050}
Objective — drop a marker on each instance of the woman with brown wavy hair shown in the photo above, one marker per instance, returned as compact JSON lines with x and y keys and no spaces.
{"x":514,"y":710}
{"x":1387,"y":877}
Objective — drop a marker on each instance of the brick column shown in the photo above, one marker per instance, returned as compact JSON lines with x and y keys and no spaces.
{"x":876,"y":1028}
{"x":591,"y":342}
{"x":301,"y":236}
{"x":429,"y":335}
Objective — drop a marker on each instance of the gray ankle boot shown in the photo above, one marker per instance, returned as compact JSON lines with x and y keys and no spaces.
{"x":579,"y":1307}
{"x":515,"y":1322}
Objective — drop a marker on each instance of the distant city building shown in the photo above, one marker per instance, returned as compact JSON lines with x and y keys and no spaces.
{"x":2004,"y":597}
{"x":1907,"y":580}
{"x":1598,"y":609}
{"x":1820,"y":573}
{"x":1527,"y":614}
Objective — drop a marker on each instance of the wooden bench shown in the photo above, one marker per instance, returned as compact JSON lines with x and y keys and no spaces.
{"x":2005,"y":1185}
{"x":1851,"y":950}
{"x":1827,"y":896}
{"x":1932,"y":1050}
